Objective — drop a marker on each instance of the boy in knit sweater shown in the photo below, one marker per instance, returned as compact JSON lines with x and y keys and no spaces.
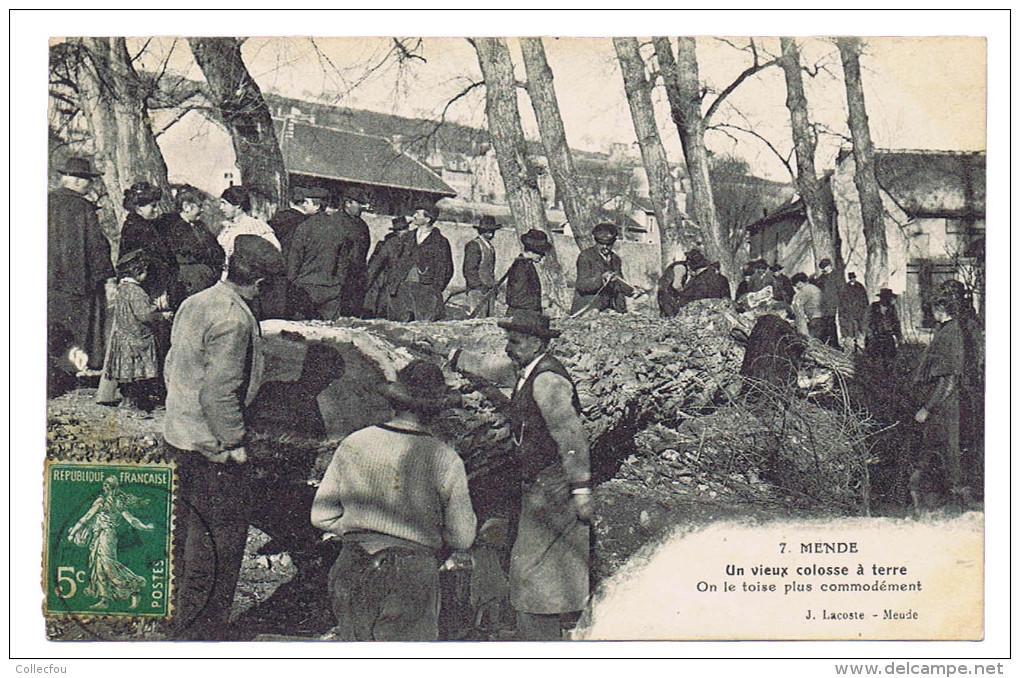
{"x":396,"y":496}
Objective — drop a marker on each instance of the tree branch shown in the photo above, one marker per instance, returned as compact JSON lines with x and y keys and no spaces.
{"x":722,"y":127}
{"x":756,"y":67}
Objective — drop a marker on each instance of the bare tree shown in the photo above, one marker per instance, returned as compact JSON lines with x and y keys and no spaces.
{"x":112,"y":98}
{"x":877,"y":272}
{"x":680,"y":77}
{"x":653,"y":156}
{"x":243,"y":110}
{"x":576,"y":203}
{"x":805,"y":143}
{"x":511,"y":149}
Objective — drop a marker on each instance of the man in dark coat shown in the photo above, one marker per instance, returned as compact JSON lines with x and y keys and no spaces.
{"x":380,"y":286}
{"x":853,"y":307}
{"x":356,"y":240}
{"x":305,"y":201}
{"x":480,"y":267}
{"x":705,"y":282}
{"x":882,"y":330}
{"x":599,"y":283}
{"x":317,"y":262}
{"x":79,"y":261}
{"x":523,"y":283}
{"x":427,"y":269}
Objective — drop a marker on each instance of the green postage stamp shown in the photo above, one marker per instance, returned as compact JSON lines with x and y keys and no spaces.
{"x":108,"y":539}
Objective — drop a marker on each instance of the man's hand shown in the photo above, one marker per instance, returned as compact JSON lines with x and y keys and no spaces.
{"x":608,"y":276}
{"x":584,"y":507}
{"x":921,"y":416}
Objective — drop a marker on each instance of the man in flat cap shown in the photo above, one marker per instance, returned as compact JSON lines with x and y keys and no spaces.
{"x":549,"y":559}
{"x":212,"y":373}
{"x":599,"y":282}
{"x":305,"y":201}
{"x":524,"y":288}
{"x":480,"y":267}
{"x":79,"y":261}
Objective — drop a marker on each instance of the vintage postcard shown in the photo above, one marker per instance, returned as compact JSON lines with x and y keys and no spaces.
{"x":516,"y":338}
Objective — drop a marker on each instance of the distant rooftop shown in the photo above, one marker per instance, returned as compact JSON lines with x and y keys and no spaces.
{"x":356,"y":158}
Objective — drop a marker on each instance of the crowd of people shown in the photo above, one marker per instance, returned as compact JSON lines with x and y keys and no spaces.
{"x":186,"y":327}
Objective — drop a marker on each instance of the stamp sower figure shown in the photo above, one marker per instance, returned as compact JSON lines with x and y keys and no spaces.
{"x":549,"y":559}
{"x":79,"y":262}
{"x":109,"y":579}
{"x":212,"y":372}
{"x":396,"y":496}
{"x":599,"y":282}
{"x":524,"y":290}
{"x":480,"y":267}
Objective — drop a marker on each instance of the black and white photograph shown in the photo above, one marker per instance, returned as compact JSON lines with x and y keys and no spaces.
{"x":514,"y":337}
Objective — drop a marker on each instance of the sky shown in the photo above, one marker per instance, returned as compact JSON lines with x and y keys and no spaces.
{"x":921,"y":92}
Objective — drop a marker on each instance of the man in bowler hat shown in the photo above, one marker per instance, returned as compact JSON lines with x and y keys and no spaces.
{"x":524,"y":290}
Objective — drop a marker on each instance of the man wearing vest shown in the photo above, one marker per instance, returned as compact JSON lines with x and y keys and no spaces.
{"x":480,"y":267}
{"x":549,"y":559}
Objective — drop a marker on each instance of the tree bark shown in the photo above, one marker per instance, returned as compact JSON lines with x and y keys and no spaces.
{"x":804,"y":143}
{"x":113,"y":100}
{"x":576,"y":203}
{"x":243,"y":110}
{"x":653,"y":156}
{"x":872,"y":212}
{"x":681,"y":79}
{"x":512,"y":152}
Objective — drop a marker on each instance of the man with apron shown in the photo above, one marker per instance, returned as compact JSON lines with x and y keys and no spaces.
{"x":549,"y":560}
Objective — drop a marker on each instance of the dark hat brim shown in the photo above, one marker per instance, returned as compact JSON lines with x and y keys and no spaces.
{"x":488,"y":227}
{"x":397,"y":394}
{"x":511,"y":326}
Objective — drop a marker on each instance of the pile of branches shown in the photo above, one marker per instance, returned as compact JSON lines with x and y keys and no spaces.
{"x":770,"y":447}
